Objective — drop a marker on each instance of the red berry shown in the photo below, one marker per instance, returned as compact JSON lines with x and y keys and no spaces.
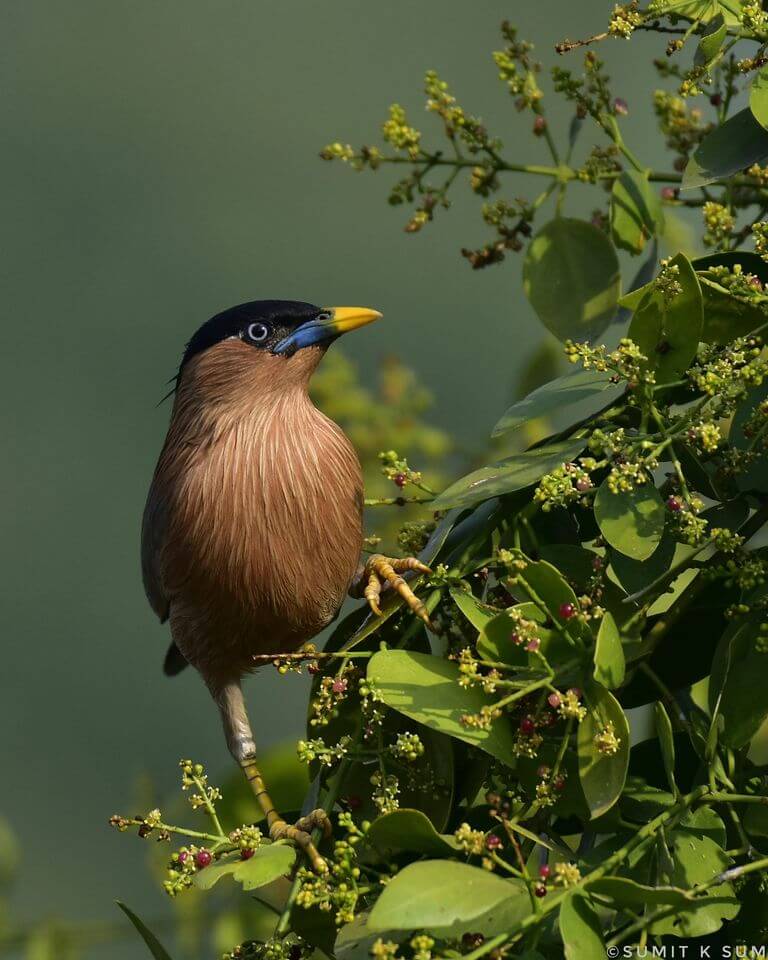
{"x":668,"y":193}
{"x":674,"y":504}
{"x":559,"y":784}
{"x":340,"y":685}
{"x":540,"y":890}
{"x":183,"y":856}
{"x":554,"y":700}
{"x":567,"y":610}
{"x":493,"y":842}
{"x":515,"y":638}
{"x":400,"y":480}
{"x":247,"y":853}
{"x":544,"y":871}
{"x":203,"y":858}
{"x":597,"y":563}
{"x":527,"y":726}
{"x":539,"y":126}
{"x":715,"y":99}
{"x":353,"y":801}
{"x":533,"y":645}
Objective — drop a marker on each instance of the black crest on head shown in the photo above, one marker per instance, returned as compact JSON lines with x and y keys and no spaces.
{"x":283,"y":316}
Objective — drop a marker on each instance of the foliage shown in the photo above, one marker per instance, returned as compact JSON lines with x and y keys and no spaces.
{"x":490,"y":794}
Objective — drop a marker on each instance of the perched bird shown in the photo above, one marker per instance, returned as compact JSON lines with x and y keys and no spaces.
{"x":252,"y":531}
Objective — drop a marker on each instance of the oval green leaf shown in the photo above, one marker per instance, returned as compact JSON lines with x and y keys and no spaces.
{"x":667,"y":744}
{"x":633,"y":521}
{"x":514,"y":473}
{"x":409,"y":830}
{"x":440,"y":895}
{"x":602,"y":775}
{"x":758,"y":97}
{"x":711,"y":40}
{"x":571,"y":277}
{"x":426,"y":689}
{"x":668,"y":333}
{"x":580,"y":929}
{"x":728,"y":149}
{"x":478,"y":613}
{"x":636,"y":213}
{"x":610,"y":665}
{"x":267,"y":864}
{"x":581,"y":394}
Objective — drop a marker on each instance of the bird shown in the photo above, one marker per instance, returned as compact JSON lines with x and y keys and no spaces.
{"x":252,"y":532}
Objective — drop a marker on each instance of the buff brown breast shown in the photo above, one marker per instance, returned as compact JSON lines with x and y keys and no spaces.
{"x":252,"y":531}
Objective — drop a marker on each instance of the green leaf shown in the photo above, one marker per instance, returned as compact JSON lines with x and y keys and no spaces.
{"x":478,"y":613}
{"x":667,"y":744}
{"x":711,"y":41}
{"x":156,"y":948}
{"x":696,"y":859}
{"x":758,"y":97}
{"x":755,"y":476}
{"x":610,"y":666}
{"x":514,"y":473}
{"x":267,"y":864}
{"x":494,"y":642}
{"x":409,"y":830}
{"x":728,"y":149}
{"x":739,"y":679}
{"x":440,"y":895}
{"x":602,"y":776}
{"x":636,"y":213}
{"x":580,"y":929}
{"x":571,"y":277}
{"x":635,"y":575}
{"x":668,"y":334}
{"x":426,"y":689}
{"x":581,"y":393}
{"x":623,"y":892}
{"x":632,"y":521}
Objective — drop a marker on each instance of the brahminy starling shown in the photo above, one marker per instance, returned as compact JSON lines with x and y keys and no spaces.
{"x":252,"y":532}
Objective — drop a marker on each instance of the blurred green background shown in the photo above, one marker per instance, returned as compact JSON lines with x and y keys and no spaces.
{"x":160,"y":164}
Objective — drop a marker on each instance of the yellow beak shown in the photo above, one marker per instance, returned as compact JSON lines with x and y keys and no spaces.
{"x":344,"y":319}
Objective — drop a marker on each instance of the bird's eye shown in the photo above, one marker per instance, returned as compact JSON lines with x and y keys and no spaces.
{"x":324,"y":315}
{"x":258,"y":332}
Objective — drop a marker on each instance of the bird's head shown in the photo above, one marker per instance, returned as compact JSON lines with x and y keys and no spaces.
{"x":281,"y":339}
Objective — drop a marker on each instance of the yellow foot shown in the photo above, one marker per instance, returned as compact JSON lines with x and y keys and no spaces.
{"x":380,"y":570}
{"x":280,"y":830}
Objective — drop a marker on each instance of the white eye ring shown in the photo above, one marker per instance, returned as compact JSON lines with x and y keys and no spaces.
{"x":325,"y":315}
{"x":258,"y":332}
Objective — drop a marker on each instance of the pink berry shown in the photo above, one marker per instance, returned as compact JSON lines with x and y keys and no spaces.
{"x":515,"y":638}
{"x":533,"y":645}
{"x":559,"y":784}
{"x":566,"y":611}
{"x":620,"y":107}
{"x":527,"y":726}
{"x":353,"y":801}
{"x":583,"y":485}
{"x":247,"y":853}
{"x":400,"y":480}
{"x":544,"y":871}
{"x":540,"y":890}
{"x":539,"y":126}
{"x":674,"y":504}
{"x":668,"y":193}
{"x":575,"y":691}
{"x":554,"y":700}
{"x":339,"y":686}
{"x":203,"y":859}
{"x":597,"y":563}
{"x":183,"y":856}
{"x":493,"y":842}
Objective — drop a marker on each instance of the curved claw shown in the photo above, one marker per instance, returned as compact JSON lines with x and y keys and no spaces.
{"x":280,"y":830}
{"x":380,"y":568}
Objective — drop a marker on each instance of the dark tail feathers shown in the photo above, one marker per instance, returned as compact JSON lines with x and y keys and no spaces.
{"x":174,"y":662}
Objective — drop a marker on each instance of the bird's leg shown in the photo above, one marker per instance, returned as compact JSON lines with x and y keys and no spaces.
{"x":380,"y":571}
{"x":242,"y":746}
